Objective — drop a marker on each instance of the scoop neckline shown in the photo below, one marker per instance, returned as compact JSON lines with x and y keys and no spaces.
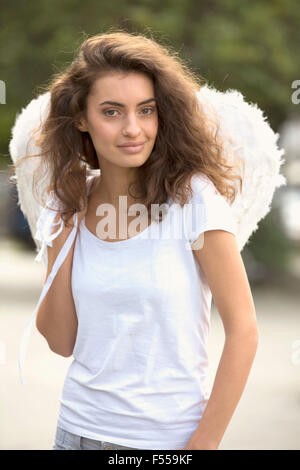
{"x":119,"y":242}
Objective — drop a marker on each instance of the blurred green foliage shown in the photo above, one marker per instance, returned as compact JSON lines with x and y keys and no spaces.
{"x":251,"y":46}
{"x":269,"y":246}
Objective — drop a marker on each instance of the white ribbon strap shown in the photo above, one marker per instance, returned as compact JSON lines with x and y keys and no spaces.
{"x":47,"y":240}
{"x":44,"y":227}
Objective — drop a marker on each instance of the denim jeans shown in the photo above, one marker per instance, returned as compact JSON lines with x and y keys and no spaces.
{"x":65,"y":440}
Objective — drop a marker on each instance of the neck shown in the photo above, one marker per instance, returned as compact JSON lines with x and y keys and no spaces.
{"x":107,"y":189}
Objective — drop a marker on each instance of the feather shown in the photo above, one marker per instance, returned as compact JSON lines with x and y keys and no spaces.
{"x":250,"y":143}
{"x":21,"y":144}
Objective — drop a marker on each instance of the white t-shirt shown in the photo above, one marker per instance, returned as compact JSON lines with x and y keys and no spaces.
{"x":139,"y":377}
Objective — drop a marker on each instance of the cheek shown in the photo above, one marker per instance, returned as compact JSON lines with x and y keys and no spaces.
{"x":101,"y":130}
{"x":104,"y":133}
{"x":152,"y":127}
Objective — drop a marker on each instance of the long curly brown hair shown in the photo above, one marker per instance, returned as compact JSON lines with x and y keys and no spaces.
{"x":187,"y":142}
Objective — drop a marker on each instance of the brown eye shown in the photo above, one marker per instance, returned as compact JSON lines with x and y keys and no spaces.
{"x":107,"y":110}
{"x":151,"y":109}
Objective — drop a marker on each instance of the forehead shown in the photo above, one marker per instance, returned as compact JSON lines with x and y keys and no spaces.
{"x":124,"y":86}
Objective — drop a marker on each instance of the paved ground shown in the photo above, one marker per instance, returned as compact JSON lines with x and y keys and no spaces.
{"x":267,"y":416}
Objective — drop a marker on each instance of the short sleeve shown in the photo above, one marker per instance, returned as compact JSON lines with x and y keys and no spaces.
{"x":207,"y":210}
{"x":45,"y":222}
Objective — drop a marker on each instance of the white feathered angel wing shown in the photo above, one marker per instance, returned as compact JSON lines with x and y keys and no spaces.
{"x":21,"y":144}
{"x":249,"y":142}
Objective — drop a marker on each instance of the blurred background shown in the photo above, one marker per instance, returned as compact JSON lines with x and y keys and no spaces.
{"x":251,"y":46}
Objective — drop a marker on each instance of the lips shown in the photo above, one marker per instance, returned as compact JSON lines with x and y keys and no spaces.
{"x":132,"y":144}
{"x":132,"y":148}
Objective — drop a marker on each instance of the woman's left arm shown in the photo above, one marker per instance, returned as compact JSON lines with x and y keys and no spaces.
{"x":224,"y":269}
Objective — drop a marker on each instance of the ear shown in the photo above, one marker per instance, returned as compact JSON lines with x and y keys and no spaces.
{"x":80,"y":123}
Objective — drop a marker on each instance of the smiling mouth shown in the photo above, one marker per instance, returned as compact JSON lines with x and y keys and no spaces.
{"x":132,"y":148}
{"x":132,"y":144}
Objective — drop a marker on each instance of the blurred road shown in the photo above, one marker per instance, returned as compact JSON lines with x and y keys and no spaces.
{"x":267,"y":416}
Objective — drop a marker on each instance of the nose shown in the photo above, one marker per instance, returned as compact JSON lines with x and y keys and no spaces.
{"x":131,"y":126}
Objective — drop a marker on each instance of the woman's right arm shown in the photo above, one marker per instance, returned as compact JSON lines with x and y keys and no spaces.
{"x":56,"y":318}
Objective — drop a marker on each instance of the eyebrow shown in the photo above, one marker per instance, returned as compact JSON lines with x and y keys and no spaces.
{"x":114,"y":103}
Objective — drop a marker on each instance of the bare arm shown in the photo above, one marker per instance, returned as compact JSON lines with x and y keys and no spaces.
{"x":224,"y":269}
{"x":56,"y":318}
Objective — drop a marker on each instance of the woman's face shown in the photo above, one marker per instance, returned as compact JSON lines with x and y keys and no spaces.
{"x":131,"y":117}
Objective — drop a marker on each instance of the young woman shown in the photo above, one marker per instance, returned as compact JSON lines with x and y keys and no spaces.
{"x":131,"y":300}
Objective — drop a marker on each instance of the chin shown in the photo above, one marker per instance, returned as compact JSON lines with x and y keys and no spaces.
{"x":133,"y":160}
{"x":134,"y":164}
